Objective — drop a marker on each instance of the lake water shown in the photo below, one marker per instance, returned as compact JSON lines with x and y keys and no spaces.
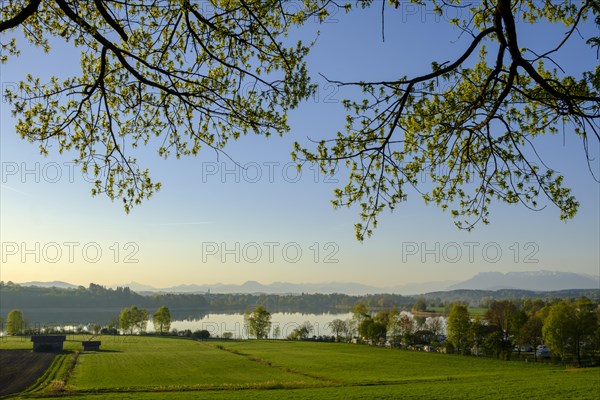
{"x":217,"y":324}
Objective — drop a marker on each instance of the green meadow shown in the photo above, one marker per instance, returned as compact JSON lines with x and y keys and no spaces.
{"x":171,"y":368}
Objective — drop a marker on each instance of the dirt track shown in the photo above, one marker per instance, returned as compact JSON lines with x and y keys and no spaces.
{"x":20,"y":369}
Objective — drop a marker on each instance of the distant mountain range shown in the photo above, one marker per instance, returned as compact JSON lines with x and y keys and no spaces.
{"x":58,"y":284}
{"x":533,"y":280}
{"x":349,"y":288}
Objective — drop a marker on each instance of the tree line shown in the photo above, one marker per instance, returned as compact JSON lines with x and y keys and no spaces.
{"x":136,"y":319}
{"x":24,"y":297}
{"x":131,"y":320}
{"x":570,"y":329}
{"x":566,"y":329}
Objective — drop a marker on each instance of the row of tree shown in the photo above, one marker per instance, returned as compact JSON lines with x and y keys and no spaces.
{"x":136,"y":319}
{"x":97,"y":296}
{"x":132,"y":319}
{"x":94,"y":296}
{"x":395,"y":325}
{"x":569,"y":329}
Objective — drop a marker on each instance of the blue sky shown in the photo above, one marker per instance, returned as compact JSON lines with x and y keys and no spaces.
{"x":212,"y":223}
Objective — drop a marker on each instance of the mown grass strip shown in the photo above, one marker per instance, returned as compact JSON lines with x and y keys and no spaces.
{"x":326,"y":381}
{"x":270,"y":385}
{"x":56,"y":376}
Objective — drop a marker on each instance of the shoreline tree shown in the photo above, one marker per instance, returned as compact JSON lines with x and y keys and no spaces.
{"x":339,"y":328}
{"x":258,"y":322}
{"x":125,"y":321}
{"x":162,"y":320}
{"x":402,"y":328}
{"x":15,"y":322}
{"x":133,"y":318}
{"x":302,"y":332}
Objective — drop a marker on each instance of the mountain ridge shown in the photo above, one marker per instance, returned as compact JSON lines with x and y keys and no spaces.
{"x":529,"y":280}
{"x":49,"y":284}
{"x":541,"y":280}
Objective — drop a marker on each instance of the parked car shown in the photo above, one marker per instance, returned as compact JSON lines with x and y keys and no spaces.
{"x":543,"y":351}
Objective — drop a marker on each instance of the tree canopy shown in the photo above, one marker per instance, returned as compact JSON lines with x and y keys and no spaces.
{"x":183,"y":77}
{"x":258,"y":322}
{"x":133,"y":318}
{"x":162,"y":320}
{"x":459,"y":324}
{"x":190,"y":75}
{"x":475,"y":138}
{"x":15,"y":322}
{"x":570,"y":328}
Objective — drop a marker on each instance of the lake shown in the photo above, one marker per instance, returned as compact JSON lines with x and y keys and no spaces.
{"x":182,"y":319}
{"x":217,"y":324}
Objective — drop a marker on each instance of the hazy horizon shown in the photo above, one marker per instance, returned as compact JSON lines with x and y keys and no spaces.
{"x":408,"y":288}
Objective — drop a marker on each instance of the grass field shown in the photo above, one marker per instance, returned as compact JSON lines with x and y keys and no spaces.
{"x":170,"y":368}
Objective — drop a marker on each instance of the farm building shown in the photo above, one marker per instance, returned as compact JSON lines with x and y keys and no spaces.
{"x":48,"y":342}
{"x":91,"y":345}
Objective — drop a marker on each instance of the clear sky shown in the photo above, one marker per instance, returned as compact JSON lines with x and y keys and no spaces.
{"x":214,"y":223}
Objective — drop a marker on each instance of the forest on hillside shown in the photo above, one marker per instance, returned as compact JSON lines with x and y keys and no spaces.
{"x":97,"y":296}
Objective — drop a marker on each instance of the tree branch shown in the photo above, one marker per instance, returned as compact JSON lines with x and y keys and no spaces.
{"x":109,"y":19}
{"x":21,"y":17}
